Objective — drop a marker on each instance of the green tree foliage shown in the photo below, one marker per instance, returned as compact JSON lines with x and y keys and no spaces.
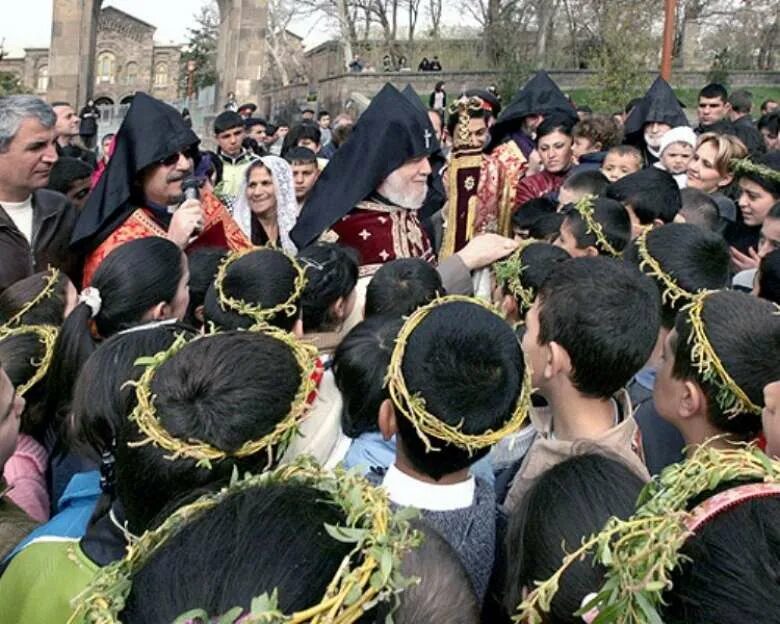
{"x":202,"y":49}
{"x":10,"y":84}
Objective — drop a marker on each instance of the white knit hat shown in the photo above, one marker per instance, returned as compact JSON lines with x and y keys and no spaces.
{"x":680,"y":134}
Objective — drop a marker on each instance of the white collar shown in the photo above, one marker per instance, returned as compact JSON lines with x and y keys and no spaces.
{"x":406,"y":491}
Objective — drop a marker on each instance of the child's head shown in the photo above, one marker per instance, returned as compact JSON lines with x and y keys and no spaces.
{"x":769,"y":127}
{"x":545,"y":228}
{"x":682,"y":259}
{"x":331,"y":276}
{"x":213,"y":415}
{"x":597,"y":133}
{"x":204,"y":263}
{"x":11,"y":408}
{"x":401,"y":286}
{"x":676,"y":149}
{"x":457,"y":382}
{"x":699,"y":209}
{"x":520,"y":276}
{"x":592,"y":327}
{"x":759,"y":187}
{"x":566,"y":504}
{"x":580,"y":184}
{"x":593,"y":227}
{"x":717,"y":359}
{"x":359,"y":368}
{"x":651,"y":197}
{"x":769,"y":240}
{"x":305,"y":171}
{"x":767,"y":285}
{"x":259,"y":285}
{"x":621,"y":161}
{"x":44,"y":298}
{"x":528,"y":213}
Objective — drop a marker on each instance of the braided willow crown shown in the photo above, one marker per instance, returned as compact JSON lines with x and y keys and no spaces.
{"x":744,"y":166}
{"x":509,"y":275}
{"x":412,"y":407}
{"x":671,"y":291}
{"x":586,"y":210}
{"x":369,"y":574}
{"x":50,"y":278}
{"x":47,"y":336}
{"x":145,"y":413}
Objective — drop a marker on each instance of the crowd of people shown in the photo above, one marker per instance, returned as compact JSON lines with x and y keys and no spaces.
{"x":461,"y":363}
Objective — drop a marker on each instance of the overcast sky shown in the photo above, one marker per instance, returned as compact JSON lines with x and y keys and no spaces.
{"x":29,"y":24}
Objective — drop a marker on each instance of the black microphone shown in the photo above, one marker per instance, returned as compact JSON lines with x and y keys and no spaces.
{"x":191,"y":187}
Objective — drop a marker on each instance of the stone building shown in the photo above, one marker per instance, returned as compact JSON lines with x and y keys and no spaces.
{"x":126,"y":60}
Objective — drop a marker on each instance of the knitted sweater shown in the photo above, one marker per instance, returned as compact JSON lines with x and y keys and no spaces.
{"x":25,"y":473}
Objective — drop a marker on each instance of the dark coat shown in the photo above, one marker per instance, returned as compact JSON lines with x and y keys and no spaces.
{"x":53,"y":220}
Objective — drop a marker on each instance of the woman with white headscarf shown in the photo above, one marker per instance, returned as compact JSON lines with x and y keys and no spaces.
{"x":266,"y":208}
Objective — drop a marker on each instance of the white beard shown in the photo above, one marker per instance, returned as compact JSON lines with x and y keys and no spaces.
{"x":401,"y":193}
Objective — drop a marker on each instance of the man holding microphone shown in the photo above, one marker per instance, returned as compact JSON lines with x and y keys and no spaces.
{"x":148,"y":190}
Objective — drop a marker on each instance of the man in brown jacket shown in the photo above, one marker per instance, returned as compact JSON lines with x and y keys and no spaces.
{"x":35,"y":224}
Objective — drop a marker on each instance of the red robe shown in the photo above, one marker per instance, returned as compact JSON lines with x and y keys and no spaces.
{"x":219,"y":230}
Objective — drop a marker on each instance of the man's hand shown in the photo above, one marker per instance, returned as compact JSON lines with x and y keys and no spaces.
{"x":187,"y":221}
{"x":485,"y":249}
{"x":742,"y":262}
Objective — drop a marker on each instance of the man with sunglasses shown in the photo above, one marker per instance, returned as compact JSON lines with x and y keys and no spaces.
{"x":141,"y":192}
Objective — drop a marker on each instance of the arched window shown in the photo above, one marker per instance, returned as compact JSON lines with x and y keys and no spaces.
{"x":106,"y":67}
{"x":161,"y":75}
{"x":131,"y":73}
{"x":42,"y":83}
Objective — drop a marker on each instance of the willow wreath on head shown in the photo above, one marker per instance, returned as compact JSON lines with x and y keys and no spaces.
{"x":369,"y":574}
{"x":412,"y":406}
{"x":509,"y":275}
{"x":744,"y":166}
{"x":671,"y":291}
{"x":586,"y":210}
{"x":50,"y":279}
{"x":47,"y":336}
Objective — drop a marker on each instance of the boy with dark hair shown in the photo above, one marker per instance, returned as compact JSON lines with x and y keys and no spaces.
{"x":741,"y":102}
{"x":719,"y":394}
{"x":620,"y":161}
{"x":698,"y":208}
{"x":651,"y":197}
{"x":529,"y":213}
{"x":323,"y":121}
{"x":581,"y":183}
{"x":593,"y":138}
{"x":713,"y":106}
{"x":72,"y":178}
{"x":458,"y":384}
{"x":306,"y":172}
{"x":229,"y":132}
{"x":592,"y":326}
{"x":769,"y":127}
{"x":683,"y":259}
{"x":306,"y":135}
{"x":401,"y":286}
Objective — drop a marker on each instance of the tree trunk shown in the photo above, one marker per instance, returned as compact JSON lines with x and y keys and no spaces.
{"x":348,"y":35}
{"x":546,"y":12}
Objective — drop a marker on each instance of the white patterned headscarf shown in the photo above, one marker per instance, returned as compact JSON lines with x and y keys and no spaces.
{"x":286,"y":204}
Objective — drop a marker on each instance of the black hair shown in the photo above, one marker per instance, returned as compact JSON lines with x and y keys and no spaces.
{"x":555,"y":122}
{"x":227,"y":120}
{"x":744,"y":331}
{"x":771,"y":160}
{"x":769,"y":277}
{"x":65,"y":172}
{"x":215,"y":164}
{"x":613,"y":218}
{"x":566,"y":504}
{"x":295,"y":556}
{"x":546,"y":227}
{"x":204,"y":263}
{"x":250,"y":122}
{"x":305,"y":130}
{"x":606,"y":315}
{"x":698,"y":208}
{"x":201,"y":394}
{"x":590,"y":182}
{"x":770,"y":122}
{"x":537,"y":260}
{"x":48,"y":311}
{"x":466,"y":364}
{"x":59,"y":103}
{"x":21,"y":355}
{"x":732,"y":568}
{"x":696,"y":259}
{"x":741,"y":101}
{"x":401,"y":286}
{"x":132,"y":279}
{"x":359,"y":367}
{"x":322,"y":114}
{"x":532,"y":210}
{"x":651,"y":193}
{"x":473,"y":113}
{"x":300,"y":155}
{"x":331,"y":274}
{"x":714,"y":90}
{"x":263,"y":277}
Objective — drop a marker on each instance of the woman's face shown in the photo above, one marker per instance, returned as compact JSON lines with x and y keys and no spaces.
{"x":702,"y":172}
{"x":755,"y":202}
{"x":260,"y":192}
{"x":555,"y":151}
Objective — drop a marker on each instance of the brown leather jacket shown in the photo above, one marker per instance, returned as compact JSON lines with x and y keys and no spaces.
{"x":53,"y":221}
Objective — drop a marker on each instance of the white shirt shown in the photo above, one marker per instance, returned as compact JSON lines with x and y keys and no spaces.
{"x":406,"y":491}
{"x":21,"y":214}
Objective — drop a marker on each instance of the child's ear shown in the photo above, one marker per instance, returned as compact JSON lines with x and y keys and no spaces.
{"x":388,"y":426}
{"x":158,"y":312}
{"x":199,"y":314}
{"x":591,"y":251}
{"x":657,"y":223}
{"x":598,"y":147}
{"x":509,"y":306}
{"x":692,"y":401}
{"x":558,"y":361}
{"x":339,"y":309}
{"x":297,"y":329}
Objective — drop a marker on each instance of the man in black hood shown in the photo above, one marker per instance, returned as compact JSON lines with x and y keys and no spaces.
{"x":140,"y":193}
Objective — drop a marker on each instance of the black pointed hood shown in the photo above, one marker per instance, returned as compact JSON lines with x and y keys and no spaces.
{"x":151,"y":131}
{"x":658,"y":104}
{"x":392,"y":130}
{"x":539,"y":96}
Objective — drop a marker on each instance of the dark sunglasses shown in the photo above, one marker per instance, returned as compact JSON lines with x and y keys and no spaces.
{"x":171,"y":160}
